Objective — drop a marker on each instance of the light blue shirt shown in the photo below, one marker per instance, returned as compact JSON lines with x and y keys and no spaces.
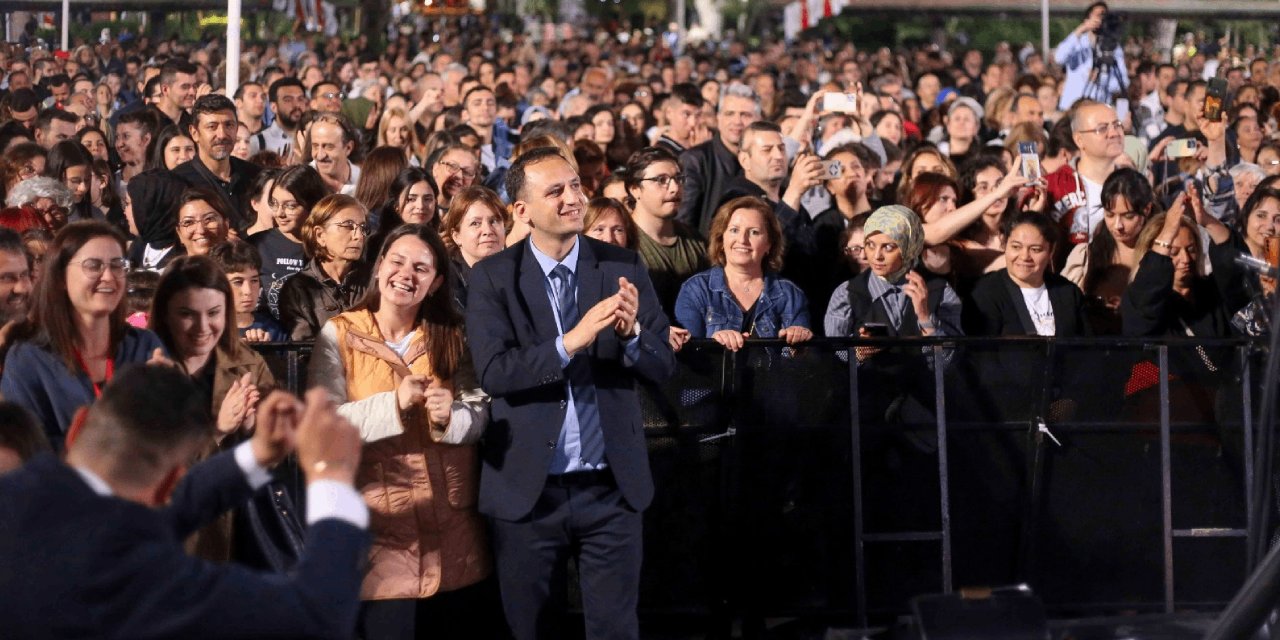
{"x":568,"y":454}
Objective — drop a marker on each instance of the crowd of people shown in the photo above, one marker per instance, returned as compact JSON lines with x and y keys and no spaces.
{"x":488,"y":242}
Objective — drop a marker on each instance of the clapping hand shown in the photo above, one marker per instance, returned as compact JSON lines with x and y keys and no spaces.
{"x":238,"y":405}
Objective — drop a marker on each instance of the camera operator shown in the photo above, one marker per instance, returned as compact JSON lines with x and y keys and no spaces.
{"x":1090,"y":70}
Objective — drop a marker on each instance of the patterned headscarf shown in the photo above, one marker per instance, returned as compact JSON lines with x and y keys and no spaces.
{"x":902,"y":225}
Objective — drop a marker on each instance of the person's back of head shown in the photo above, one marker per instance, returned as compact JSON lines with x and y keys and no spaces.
{"x":20,"y":437}
{"x":149,"y":422}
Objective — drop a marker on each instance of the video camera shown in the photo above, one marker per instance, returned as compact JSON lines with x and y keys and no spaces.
{"x":1109,"y":33}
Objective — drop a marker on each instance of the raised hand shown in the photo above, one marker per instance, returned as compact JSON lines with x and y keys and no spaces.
{"x":598,"y":318}
{"x":918,"y":292}
{"x":277,"y":427}
{"x":628,"y":307}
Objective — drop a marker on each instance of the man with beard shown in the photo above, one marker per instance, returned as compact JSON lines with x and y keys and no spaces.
{"x":671,"y":250}
{"x":709,"y":166}
{"x":15,"y":284}
{"x":288,"y":103}
{"x":214,"y":131}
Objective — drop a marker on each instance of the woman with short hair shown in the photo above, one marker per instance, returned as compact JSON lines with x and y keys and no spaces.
{"x":333,"y":238}
{"x":741,"y":296}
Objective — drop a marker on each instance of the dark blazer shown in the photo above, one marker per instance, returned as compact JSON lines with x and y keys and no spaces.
{"x":996,"y":308}
{"x":80,"y":565}
{"x":511,"y":331}
{"x":708,"y":168}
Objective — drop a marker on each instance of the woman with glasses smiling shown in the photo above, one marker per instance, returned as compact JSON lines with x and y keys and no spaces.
{"x":76,"y":337}
{"x":335,"y":277}
{"x":202,"y":223}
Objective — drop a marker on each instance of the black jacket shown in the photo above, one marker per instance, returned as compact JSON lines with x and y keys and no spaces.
{"x":708,"y":168}
{"x":996,"y":308}
{"x":235,"y":194}
{"x":310,"y":297}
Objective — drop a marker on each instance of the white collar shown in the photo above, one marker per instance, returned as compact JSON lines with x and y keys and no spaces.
{"x":94,"y":481}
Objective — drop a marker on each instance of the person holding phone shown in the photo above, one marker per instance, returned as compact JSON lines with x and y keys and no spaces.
{"x":895,"y":296}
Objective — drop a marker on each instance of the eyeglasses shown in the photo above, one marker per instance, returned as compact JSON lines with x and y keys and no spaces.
{"x":51,"y":210}
{"x":289,"y":207}
{"x":351,"y":227}
{"x":664,"y":181}
{"x":93,"y":267}
{"x":332,"y":95}
{"x":853,"y":251}
{"x":1103,"y":128}
{"x":210,"y":220}
{"x":453,"y":167}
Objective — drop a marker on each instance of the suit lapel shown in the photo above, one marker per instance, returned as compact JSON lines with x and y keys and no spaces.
{"x":1020,"y":304}
{"x":533,"y":289}
{"x":1064,"y":314}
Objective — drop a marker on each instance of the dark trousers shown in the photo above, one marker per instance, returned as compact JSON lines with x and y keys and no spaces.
{"x":582,"y":516}
{"x":462,"y":614}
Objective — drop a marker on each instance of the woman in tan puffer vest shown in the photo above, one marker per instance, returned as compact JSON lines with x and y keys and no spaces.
{"x":397,"y":364}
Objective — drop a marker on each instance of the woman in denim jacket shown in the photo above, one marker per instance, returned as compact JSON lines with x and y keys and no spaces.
{"x":742,"y":296}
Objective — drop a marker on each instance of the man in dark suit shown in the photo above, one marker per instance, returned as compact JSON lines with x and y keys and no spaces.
{"x":213,"y":129}
{"x":560,"y":328}
{"x":88,"y":552}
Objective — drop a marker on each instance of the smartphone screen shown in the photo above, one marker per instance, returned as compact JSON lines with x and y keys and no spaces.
{"x":1030,"y":161}
{"x":1214,"y":98}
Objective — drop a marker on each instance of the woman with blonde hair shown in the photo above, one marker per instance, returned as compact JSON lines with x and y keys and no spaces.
{"x":395,"y":129}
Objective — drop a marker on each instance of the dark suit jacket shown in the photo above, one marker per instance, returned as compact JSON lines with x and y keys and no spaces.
{"x":74,"y":564}
{"x":996,"y":308}
{"x":511,"y":331}
{"x":235,"y":196}
{"x":708,"y":168}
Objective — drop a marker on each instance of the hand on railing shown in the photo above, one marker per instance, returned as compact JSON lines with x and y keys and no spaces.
{"x":730,"y":339}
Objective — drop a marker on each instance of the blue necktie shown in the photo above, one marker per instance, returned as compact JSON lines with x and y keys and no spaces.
{"x":578,"y":372}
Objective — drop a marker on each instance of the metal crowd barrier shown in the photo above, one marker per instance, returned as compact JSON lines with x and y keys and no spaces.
{"x":1110,"y":474}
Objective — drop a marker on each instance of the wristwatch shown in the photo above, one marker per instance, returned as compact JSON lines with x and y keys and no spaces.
{"x":927,"y":324}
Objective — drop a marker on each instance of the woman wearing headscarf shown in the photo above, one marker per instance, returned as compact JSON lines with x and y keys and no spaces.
{"x":152,"y":207}
{"x":894,"y":296}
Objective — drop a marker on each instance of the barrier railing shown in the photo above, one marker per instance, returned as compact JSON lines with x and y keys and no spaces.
{"x":842,"y":477}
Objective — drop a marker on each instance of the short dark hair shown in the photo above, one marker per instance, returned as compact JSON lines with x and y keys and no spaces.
{"x":240,"y":89}
{"x":476,"y":89}
{"x":149,"y":415}
{"x":21,"y":100}
{"x":274,"y":92}
{"x":169,"y":70}
{"x":515,"y":180}
{"x":20,"y":432}
{"x":56,"y":80}
{"x":46,"y":118}
{"x":688,"y":93}
{"x":210,"y":104}
{"x":639,"y":162}
{"x":323,"y":81}
{"x":236,"y":256}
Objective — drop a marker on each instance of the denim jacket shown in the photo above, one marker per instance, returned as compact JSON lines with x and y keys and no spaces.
{"x":705,"y":305}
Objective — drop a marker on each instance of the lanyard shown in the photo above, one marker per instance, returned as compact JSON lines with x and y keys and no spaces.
{"x":111,"y":369}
